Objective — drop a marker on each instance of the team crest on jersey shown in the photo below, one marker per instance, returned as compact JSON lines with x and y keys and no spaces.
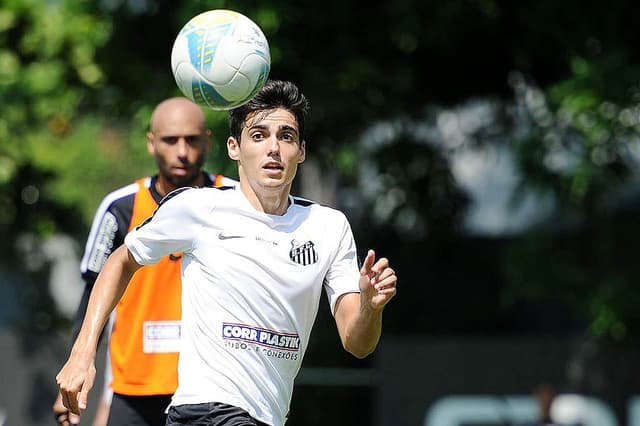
{"x":303,"y":253}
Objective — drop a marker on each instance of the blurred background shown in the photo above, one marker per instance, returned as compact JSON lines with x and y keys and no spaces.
{"x":490,"y":148}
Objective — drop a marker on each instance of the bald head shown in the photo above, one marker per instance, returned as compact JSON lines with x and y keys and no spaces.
{"x":179,"y":141}
{"x":176,"y":110}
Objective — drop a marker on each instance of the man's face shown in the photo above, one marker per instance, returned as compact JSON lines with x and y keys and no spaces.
{"x":179,"y":146}
{"x":269,"y":151}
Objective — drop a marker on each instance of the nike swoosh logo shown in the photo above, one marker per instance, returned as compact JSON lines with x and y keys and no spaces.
{"x":224,"y":236}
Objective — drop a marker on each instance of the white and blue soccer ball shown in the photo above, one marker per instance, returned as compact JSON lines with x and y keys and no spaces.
{"x":220,"y":59}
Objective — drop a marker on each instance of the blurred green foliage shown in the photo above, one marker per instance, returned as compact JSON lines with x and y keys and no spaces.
{"x":583,"y":257}
{"x":78,"y":80}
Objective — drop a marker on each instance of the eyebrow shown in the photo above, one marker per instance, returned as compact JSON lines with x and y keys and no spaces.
{"x":287,"y":127}
{"x":186,"y":136}
{"x":282,"y":127}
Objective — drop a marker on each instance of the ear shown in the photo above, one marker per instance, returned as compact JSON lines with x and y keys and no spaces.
{"x":151,"y":149}
{"x":233,"y":148}
{"x":303,"y":152}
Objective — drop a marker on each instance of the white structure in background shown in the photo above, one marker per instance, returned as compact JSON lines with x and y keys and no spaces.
{"x":572,"y":409}
{"x":498,"y":206}
{"x":59,"y":251}
{"x":566,"y":409}
{"x":484,"y":167}
{"x":65,"y":284}
{"x":474,"y":139}
{"x":479,"y":139}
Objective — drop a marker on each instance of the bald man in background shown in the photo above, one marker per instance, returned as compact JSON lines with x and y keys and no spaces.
{"x":144,"y":339}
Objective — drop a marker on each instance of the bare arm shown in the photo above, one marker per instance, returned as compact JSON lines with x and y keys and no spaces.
{"x":78,"y":374}
{"x":359,"y":315}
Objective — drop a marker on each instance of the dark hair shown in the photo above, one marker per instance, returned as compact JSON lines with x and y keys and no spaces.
{"x":274,"y":94}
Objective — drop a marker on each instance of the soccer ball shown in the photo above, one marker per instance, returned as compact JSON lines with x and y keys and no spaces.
{"x":220,"y":59}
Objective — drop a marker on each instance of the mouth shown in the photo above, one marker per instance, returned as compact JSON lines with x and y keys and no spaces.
{"x":275,"y":167}
{"x":179,"y":171}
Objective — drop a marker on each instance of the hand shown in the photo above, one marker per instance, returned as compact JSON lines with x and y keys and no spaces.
{"x":75,"y":380}
{"x":62,"y":415}
{"x":377,"y":281}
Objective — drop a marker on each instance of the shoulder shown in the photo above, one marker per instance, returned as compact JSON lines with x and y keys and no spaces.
{"x":128,"y":191}
{"x":118,"y":202}
{"x":303,"y":202}
{"x":195,"y":192}
{"x":318,"y":210}
{"x":194,"y":198}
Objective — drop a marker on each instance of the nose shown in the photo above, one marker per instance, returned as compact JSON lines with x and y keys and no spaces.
{"x":182,"y":147}
{"x":274,"y":145}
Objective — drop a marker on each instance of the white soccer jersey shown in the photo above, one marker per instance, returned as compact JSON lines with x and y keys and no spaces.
{"x":251,"y":285}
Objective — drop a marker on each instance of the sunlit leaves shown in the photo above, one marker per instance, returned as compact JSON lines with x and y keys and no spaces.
{"x":9,"y":67}
{"x":43,"y":77}
{"x":7,"y":19}
{"x":47,"y":64}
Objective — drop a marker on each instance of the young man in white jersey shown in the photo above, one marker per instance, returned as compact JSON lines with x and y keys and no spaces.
{"x":255,"y":261}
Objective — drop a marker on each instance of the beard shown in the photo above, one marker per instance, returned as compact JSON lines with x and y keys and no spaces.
{"x":194,"y":171}
{"x":180,"y":181}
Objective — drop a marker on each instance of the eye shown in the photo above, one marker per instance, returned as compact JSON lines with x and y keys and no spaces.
{"x":257,"y":136}
{"x":289,"y":137}
{"x":193,"y":140}
{"x":171,"y":140}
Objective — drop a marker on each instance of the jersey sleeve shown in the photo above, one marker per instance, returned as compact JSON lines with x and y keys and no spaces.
{"x":172,"y":228}
{"x":110,"y":225}
{"x":343,"y":274}
{"x":108,"y":229}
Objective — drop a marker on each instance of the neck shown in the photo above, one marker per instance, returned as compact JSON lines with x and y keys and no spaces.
{"x":271,"y":201}
{"x":165,"y":186}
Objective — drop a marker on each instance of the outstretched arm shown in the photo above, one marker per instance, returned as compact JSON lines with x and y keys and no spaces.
{"x":78,"y":374}
{"x":359,"y":315}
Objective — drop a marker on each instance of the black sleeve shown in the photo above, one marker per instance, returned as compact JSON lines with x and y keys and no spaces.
{"x":107,"y":234}
{"x":110,"y":229}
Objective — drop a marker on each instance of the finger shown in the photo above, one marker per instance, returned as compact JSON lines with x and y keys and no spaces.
{"x":65,"y":399}
{"x":384,"y":278}
{"x":74,"y":419}
{"x":385,"y":284}
{"x":60,"y":412}
{"x":368,"y":263}
{"x":71,"y":402}
{"x":387,"y":291}
{"x":380,"y":265}
{"x":81,"y":403}
{"x":84,"y":392}
{"x":62,"y":418}
{"x":58,"y":407}
{"x":63,"y":395}
{"x":380,"y":300}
